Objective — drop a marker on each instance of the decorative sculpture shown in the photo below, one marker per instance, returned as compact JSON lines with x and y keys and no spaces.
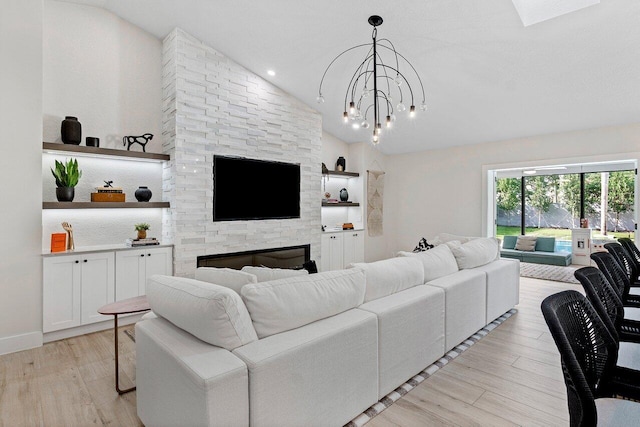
{"x":141,"y":139}
{"x":69,"y":229}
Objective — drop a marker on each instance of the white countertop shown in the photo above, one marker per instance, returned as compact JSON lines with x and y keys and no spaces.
{"x":102,"y":248}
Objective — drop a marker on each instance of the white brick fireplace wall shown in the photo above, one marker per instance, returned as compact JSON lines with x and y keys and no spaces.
{"x":214,"y":106}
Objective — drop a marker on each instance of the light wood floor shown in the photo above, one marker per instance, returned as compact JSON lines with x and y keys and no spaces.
{"x":510,"y":377}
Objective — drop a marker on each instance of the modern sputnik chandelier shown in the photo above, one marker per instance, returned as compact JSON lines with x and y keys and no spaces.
{"x":371,"y":86}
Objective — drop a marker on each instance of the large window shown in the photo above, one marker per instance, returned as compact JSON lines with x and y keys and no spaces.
{"x":553,"y":204}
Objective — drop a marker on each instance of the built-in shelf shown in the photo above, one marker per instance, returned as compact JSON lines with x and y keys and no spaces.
{"x":106,"y":152}
{"x":330,"y":205}
{"x":343,"y":174}
{"x":103,"y":205}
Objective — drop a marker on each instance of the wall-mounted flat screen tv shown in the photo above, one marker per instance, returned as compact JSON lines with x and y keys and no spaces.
{"x":245,"y":189}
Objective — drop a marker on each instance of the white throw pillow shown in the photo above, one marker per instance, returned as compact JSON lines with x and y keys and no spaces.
{"x":474,"y":253}
{"x":437,"y":262}
{"x":215,"y":314}
{"x":285,"y":304}
{"x":389,"y":276}
{"x":265,"y":274}
{"x":227,"y":277}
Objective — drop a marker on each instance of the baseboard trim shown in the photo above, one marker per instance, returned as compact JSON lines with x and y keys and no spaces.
{"x":20,"y":342}
{"x":88,"y":329}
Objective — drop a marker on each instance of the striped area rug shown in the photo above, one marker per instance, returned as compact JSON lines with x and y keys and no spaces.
{"x":549,"y":272}
{"x":392,"y":397}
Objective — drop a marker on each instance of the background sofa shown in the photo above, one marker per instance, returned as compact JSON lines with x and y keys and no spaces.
{"x":544,"y":252}
{"x":314,"y":349}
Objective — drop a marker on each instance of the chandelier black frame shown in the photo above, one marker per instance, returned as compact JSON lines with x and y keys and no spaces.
{"x":368,"y":72}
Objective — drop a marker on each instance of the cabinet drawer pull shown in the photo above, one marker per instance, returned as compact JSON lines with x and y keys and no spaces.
{"x":77,"y":261}
{"x":148,"y":254}
{"x":85,"y":260}
{"x":141,"y":254}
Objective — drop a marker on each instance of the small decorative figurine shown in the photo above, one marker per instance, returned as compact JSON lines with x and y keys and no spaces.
{"x":69,"y":229}
{"x":108,"y":184}
{"x":141,"y":139}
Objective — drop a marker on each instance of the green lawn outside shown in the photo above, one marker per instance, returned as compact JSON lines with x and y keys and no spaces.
{"x":558,"y":233}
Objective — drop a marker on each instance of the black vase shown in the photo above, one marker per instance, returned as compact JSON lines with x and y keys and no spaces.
{"x":65,"y":194}
{"x":143,"y":194}
{"x":71,"y":130}
{"x":344,"y":195}
{"x":341,"y":164}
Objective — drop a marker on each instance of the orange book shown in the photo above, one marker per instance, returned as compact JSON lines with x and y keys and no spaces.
{"x":58,"y":242}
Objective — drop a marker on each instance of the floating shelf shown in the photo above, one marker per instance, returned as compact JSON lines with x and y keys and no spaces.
{"x":104,"y":205}
{"x":347,"y":204}
{"x":343,"y":174}
{"x":103,"y":152}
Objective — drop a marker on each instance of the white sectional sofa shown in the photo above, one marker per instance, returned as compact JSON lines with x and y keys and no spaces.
{"x":311,"y":349}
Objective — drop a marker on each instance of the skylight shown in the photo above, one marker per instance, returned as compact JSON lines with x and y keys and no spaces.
{"x":535,"y":11}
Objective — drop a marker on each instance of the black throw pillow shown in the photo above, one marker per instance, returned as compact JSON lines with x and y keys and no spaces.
{"x":310,"y":266}
{"x":423,"y":245}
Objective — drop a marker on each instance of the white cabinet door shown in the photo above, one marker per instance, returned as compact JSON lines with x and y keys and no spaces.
{"x":157,"y":261}
{"x":61,"y":293}
{"x":332,"y":251}
{"x":135,"y":265}
{"x":130,"y":273}
{"x":98,"y":285}
{"x":353,"y":247}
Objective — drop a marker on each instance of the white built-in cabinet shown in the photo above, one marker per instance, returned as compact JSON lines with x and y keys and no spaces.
{"x":76,"y":285}
{"x":133,"y":267}
{"x":341,"y":248}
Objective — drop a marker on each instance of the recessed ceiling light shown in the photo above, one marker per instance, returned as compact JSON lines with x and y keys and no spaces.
{"x":533,"y":12}
{"x":271,"y":73}
{"x":529,"y":172}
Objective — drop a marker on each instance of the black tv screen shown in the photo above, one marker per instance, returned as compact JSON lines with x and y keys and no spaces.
{"x":245,"y":189}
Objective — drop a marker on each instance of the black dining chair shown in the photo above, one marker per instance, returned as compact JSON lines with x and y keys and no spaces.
{"x":624,"y":323}
{"x":588,"y":355}
{"x":617,"y":277}
{"x":625,"y":260}
{"x":632,"y":249}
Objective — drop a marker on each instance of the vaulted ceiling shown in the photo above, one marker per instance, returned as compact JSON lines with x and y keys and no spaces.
{"x":486,"y":76}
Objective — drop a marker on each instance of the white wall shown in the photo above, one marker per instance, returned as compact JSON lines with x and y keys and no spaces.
{"x":21,"y":124}
{"x":442,"y":190}
{"x":103,"y":70}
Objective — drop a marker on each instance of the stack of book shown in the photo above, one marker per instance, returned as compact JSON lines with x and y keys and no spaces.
{"x":142,"y":242}
{"x":108,"y":194}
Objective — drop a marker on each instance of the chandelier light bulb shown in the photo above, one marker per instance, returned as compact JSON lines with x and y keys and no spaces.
{"x":375,"y":139}
{"x":352,"y":108}
{"x":365,"y":124}
{"x":345,"y":117}
{"x":423,"y":106}
{"x":393,"y":118}
{"x":320,"y":99}
{"x":388,"y":121}
{"x":398,"y":81}
{"x":412,"y":111}
{"x":365,"y":92}
{"x":400,"y":107}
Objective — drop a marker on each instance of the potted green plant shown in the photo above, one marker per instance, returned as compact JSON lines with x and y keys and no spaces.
{"x":142,"y":228}
{"x":67,"y":175}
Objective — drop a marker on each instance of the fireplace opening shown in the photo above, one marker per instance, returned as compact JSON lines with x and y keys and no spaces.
{"x":287,"y":257}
